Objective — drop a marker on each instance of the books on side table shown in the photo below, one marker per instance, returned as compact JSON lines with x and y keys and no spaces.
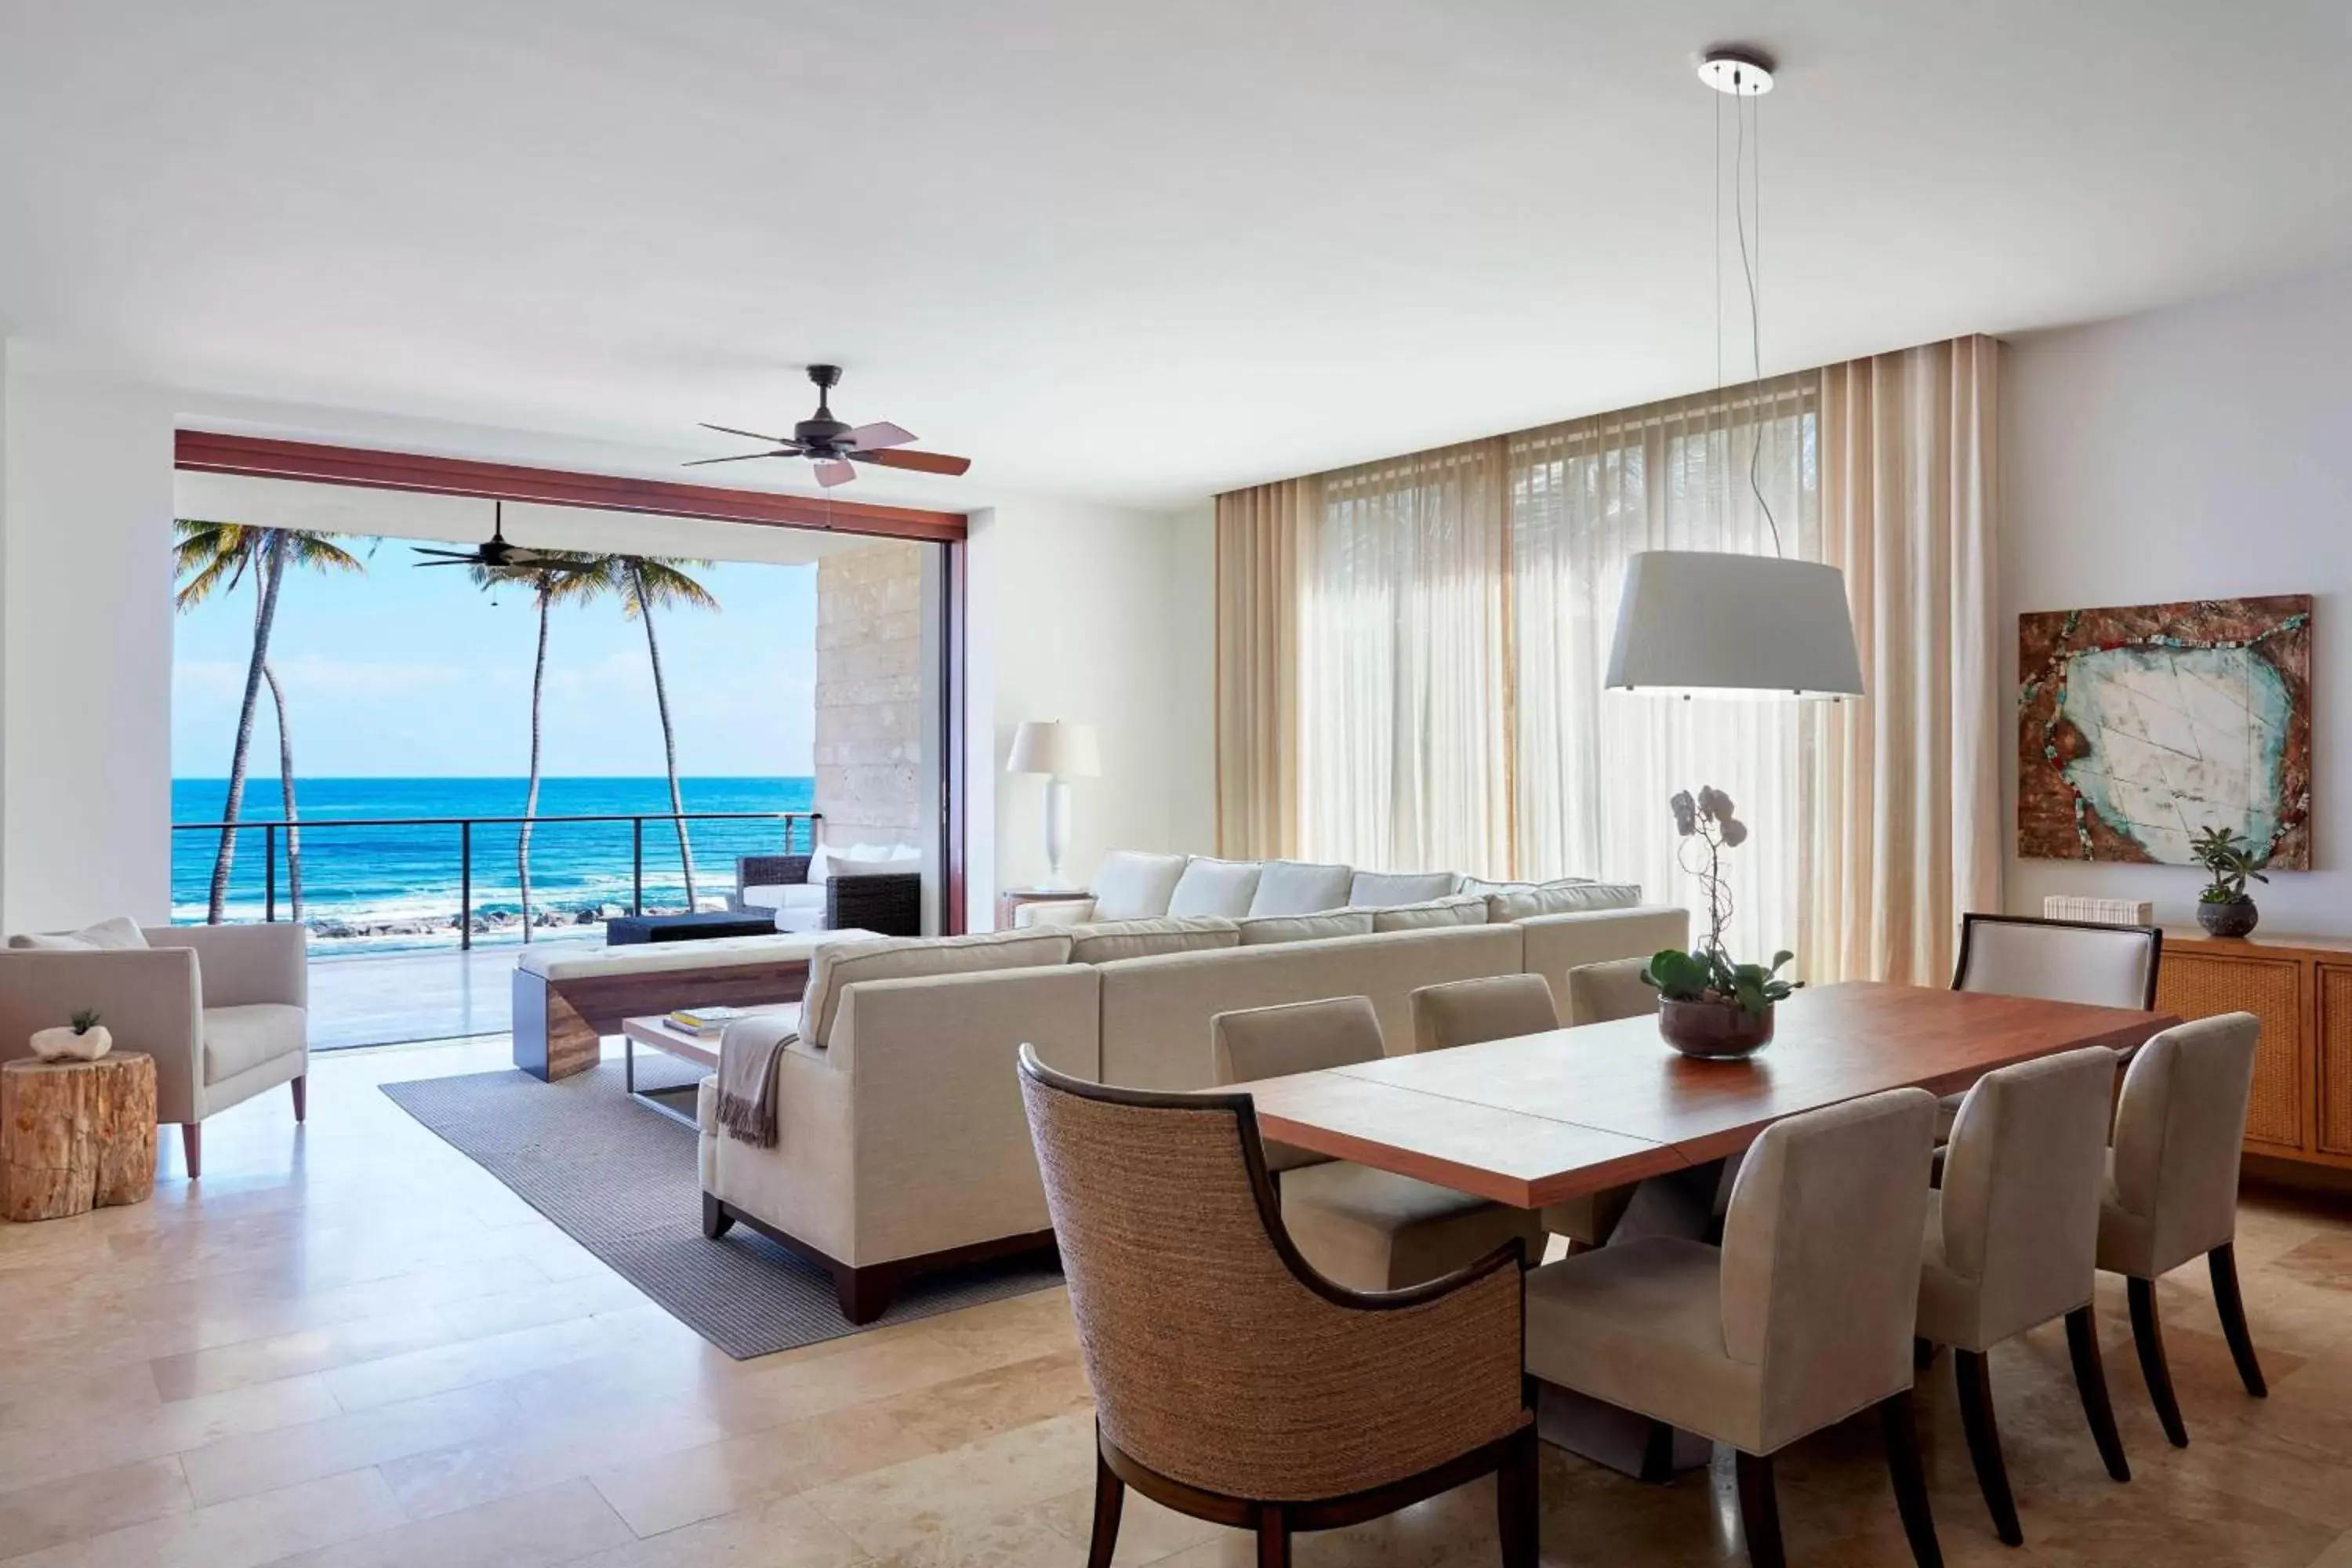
{"x":705,"y":1022}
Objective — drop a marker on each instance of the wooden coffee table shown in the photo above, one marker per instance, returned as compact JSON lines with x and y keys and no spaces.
{"x":659,"y":1033}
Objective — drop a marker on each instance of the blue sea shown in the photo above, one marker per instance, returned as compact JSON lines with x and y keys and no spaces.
{"x":380,"y":888}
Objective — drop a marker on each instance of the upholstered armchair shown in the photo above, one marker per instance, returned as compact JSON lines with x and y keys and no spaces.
{"x":223,"y":1010}
{"x":1232,"y":1381}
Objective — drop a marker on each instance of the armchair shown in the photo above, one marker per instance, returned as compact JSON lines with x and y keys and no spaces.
{"x":888,"y":904}
{"x":223,"y":1010}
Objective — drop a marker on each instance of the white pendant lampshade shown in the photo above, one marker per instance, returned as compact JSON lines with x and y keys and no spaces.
{"x":1065,"y":752}
{"x":1705,"y":623}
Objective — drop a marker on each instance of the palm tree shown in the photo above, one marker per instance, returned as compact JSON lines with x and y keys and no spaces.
{"x":646,"y":584}
{"x":557,"y":577}
{"x":212,"y":557}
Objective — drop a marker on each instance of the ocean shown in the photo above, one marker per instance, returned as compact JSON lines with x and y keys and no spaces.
{"x":382,"y":889}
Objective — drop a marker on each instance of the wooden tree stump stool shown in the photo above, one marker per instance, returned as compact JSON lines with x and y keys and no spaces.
{"x":75,"y":1136}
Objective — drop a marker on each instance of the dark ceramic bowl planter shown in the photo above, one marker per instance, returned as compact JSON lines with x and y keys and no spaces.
{"x":1713,"y":1028}
{"x":2235,"y":917}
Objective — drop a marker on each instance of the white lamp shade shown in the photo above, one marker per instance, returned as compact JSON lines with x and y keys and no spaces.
{"x":1050,"y":746}
{"x":1700,"y":623}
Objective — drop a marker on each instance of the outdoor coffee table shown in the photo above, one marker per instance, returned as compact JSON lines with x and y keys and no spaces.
{"x":622,"y":930}
{"x":659,"y":1033}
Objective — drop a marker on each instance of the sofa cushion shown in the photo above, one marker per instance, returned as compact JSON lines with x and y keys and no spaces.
{"x":1560,"y":899}
{"x":1301,"y":888}
{"x":578,"y":961}
{"x":238,"y":1039}
{"x":782,"y":896}
{"x":1131,"y":885}
{"x":841,"y":963}
{"x":1212,"y":886}
{"x":106,"y":936}
{"x":1389,"y":889}
{"x":1261,"y":929}
{"x":1462,"y":909}
{"x":1115,"y":940}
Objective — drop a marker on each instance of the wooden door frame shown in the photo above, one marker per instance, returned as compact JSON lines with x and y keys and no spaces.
{"x":366,"y":467}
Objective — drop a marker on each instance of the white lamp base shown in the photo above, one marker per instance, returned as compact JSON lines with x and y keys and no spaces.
{"x":1057,"y":831}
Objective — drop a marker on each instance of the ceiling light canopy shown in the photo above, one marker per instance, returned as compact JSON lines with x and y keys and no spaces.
{"x":1740,"y":71}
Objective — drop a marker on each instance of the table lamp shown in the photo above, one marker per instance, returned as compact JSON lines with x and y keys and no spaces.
{"x":1061,"y":752}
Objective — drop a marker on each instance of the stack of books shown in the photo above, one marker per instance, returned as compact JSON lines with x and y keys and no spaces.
{"x":707,"y":1023}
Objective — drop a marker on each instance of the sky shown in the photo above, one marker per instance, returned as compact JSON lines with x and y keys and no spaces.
{"x":403,"y":673}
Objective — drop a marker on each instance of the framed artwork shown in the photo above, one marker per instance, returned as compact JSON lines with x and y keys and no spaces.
{"x":2138,"y":727}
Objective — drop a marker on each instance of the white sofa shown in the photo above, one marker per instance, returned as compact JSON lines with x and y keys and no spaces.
{"x":901,"y":1143}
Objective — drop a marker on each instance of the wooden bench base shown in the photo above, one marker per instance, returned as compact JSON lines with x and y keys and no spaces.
{"x":560,"y":1025}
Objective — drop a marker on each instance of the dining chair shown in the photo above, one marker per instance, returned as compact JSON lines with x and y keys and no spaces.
{"x":2172,"y":1187}
{"x":1368,"y":1229}
{"x":2056,"y":960}
{"x":1502,"y":1008}
{"x":1234,"y":1381}
{"x":1801,"y":1318}
{"x":2012,"y":1242}
{"x":1600,"y":992}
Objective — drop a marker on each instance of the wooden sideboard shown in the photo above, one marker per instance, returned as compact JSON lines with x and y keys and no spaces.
{"x":2301,"y":988}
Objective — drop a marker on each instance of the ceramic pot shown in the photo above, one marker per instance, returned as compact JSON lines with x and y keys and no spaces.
{"x":62,"y":1044}
{"x":1713,"y":1028}
{"x":2235,"y":917}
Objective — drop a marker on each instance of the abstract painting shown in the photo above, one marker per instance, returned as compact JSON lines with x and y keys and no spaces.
{"x":2138,"y":727}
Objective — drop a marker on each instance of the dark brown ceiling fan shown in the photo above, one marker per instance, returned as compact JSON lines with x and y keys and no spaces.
{"x":495,"y":554}
{"x":833,"y":446}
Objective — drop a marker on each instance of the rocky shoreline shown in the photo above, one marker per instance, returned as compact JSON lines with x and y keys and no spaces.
{"x":487,"y":923}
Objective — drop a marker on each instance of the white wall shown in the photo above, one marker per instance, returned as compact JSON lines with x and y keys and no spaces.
{"x":85,"y":654}
{"x":2204,"y":452}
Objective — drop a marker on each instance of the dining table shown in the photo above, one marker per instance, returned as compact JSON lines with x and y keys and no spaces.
{"x":1539,"y":1119}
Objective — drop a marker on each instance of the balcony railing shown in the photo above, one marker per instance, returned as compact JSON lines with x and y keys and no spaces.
{"x":464,"y":826}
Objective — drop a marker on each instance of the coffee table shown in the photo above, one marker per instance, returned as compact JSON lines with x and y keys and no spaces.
{"x":659,"y":1033}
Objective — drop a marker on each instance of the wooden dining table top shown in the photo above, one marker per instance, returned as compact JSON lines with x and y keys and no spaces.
{"x":1541,"y":1117}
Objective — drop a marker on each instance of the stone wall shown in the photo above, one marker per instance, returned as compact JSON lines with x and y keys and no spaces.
{"x":870,"y":695}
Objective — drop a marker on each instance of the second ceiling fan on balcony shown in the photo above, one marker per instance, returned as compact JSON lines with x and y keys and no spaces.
{"x":834,"y":447}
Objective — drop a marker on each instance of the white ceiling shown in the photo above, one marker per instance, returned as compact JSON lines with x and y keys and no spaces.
{"x":1133,"y":249}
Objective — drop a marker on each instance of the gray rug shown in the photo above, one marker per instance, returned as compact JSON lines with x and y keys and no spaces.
{"x":620,"y":1179}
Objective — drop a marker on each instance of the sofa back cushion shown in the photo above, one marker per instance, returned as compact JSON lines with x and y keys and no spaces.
{"x":1105,"y":942}
{"x":1259,"y":930}
{"x":1462,"y":909}
{"x":1388,"y":890}
{"x":836,"y":964}
{"x":1212,"y":887}
{"x":1301,"y":888}
{"x":1132,"y":885}
{"x":1565,"y":898}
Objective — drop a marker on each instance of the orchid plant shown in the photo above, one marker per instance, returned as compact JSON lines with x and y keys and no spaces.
{"x":1708,"y":828}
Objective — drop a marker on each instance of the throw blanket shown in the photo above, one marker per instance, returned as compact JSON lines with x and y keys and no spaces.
{"x":747,"y":1082}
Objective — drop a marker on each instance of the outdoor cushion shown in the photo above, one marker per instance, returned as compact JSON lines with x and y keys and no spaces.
{"x":837,"y":965}
{"x":1107,"y":943}
{"x":1131,"y":885}
{"x":1301,"y":888}
{"x":1561,"y":898}
{"x":1306,"y":928}
{"x":1211,"y":886}
{"x":238,"y":1039}
{"x":1463,"y":910}
{"x":1389,"y":889}
{"x":783,"y":895}
{"x":110,"y":935}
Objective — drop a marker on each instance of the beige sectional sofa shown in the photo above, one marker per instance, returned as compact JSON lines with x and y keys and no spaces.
{"x":901,"y":1143}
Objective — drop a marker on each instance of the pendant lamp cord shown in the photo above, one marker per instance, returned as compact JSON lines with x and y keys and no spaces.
{"x":1749,"y":267}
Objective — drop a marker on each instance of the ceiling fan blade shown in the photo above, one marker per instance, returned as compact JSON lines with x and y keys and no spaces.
{"x":874,"y":438}
{"x":452,"y":561}
{"x":921,"y":462}
{"x":449,"y":554}
{"x":750,"y":435}
{"x":742,"y":458}
{"x":831,"y":471}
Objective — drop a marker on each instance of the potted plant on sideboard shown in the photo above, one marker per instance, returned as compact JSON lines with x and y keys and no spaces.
{"x":2223,"y":907}
{"x":1707,"y":1004}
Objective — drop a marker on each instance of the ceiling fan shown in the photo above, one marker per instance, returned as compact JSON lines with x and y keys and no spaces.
{"x":495,"y":554}
{"x":833,"y":446}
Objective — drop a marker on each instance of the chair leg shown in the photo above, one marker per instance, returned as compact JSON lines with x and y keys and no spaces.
{"x":2148,"y":1335}
{"x":2091,"y":1382}
{"x":1901,"y":1433}
{"x":191,"y":1147}
{"x":300,"y":1085}
{"x":1272,"y":1537}
{"x":1111,"y":1494}
{"x":1519,"y":1502}
{"x":2223,"y":1261}
{"x":1759,"y":1510}
{"x":1984,"y":1442}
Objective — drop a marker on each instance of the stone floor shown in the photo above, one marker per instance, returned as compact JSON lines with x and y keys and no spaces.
{"x":353,"y":1347}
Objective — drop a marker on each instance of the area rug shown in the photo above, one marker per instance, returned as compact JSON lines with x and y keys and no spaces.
{"x":620,"y":1179}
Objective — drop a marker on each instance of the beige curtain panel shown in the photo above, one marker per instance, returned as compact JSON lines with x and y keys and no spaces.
{"x":1259,"y":534}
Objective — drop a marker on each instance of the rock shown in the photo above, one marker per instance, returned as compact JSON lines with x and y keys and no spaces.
{"x":65,"y":1043}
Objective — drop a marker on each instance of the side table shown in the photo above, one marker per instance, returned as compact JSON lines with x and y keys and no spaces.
{"x":1012,"y":898}
{"x":75,"y":1136}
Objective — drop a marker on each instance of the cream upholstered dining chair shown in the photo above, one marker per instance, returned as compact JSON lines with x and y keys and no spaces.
{"x":1233,"y":1381}
{"x":1502,"y":1008}
{"x":1599,"y":993}
{"x":1800,"y":1319}
{"x":1368,"y":1229}
{"x":2172,"y":1187}
{"x":2057,"y":961}
{"x":2012,"y":1242}
{"x":224,"y":1009}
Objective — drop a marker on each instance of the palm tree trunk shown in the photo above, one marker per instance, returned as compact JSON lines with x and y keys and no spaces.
{"x":265,"y":613}
{"x":286,"y":789}
{"x":669,"y":737}
{"x":531,"y":797}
